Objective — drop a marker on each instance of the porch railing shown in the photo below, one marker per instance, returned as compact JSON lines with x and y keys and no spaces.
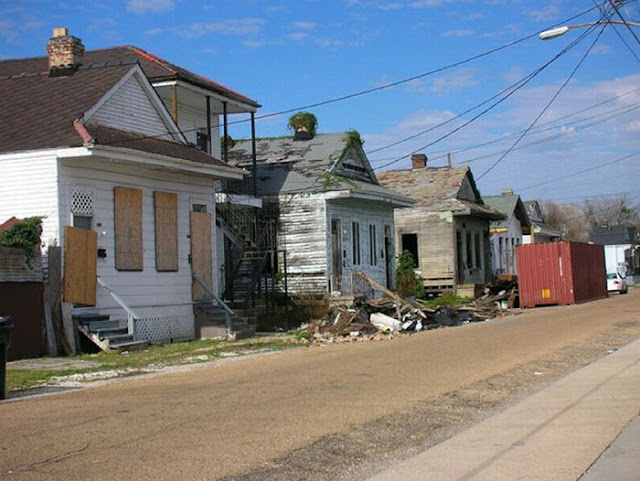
{"x":132,"y":317}
{"x":228,"y":312}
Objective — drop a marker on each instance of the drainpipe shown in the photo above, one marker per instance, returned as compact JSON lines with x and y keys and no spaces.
{"x":225,"y":149}
{"x":209,"y":125}
{"x":254,"y":155}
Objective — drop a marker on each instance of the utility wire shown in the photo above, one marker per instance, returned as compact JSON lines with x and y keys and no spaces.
{"x":615,"y":9}
{"x":546,"y":107}
{"x":371,"y":90}
{"x":618,"y":33}
{"x":579,"y":172}
{"x":539,"y":129}
{"x":521,"y":84}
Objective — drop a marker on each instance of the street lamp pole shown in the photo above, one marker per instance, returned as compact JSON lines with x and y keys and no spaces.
{"x":558,"y":31}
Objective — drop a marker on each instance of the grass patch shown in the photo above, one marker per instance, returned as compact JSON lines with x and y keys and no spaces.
{"x":153,"y":358}
{"x":445,"y":300}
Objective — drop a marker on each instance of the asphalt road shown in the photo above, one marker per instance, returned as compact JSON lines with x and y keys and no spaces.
{"x":339,"y":411}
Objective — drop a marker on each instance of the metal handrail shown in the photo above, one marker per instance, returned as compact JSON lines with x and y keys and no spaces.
{"x":131,"y":314}
{"x":228,"y":312}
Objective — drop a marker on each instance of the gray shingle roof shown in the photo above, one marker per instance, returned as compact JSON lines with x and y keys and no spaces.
{"x":440,"y":190}
{"x":509,"y":205}
{"x":614,"y":235}
{"x":288,"y":166}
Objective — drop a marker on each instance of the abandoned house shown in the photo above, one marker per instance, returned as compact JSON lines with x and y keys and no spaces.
{"x":447,"y":231}
{"x":100,"y":143}
{"x":332,"y":217}
{"x":540,"y":231}
{"x":506,"y":234}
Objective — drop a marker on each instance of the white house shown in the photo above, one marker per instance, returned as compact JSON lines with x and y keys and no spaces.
{"x":621,"y":249}
{"x":93,"y":149}
{"x":540,"y":231}
{"x":507,"y":234}
{"x":333,"y":218}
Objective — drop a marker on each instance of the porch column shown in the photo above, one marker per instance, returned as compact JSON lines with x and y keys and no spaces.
{"x":209,"y":145}
{"x":225,"y":148}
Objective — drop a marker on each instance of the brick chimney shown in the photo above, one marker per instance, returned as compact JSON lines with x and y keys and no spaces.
{"x":418,"y":161}
{"x":507,"y":192}
{"x":65,"y":52}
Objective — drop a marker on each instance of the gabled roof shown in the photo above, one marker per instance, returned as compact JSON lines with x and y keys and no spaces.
{"x":41,"y":112}
{"x":614,"y":235}
{"x":440,"y":189}
{"x":509,"y":205}
{"x":534,"y":212}
{"x":155,"y":68}
{"x":288,"y":166}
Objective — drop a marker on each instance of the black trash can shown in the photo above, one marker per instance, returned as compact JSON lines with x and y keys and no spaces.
{"x":6,"y":326}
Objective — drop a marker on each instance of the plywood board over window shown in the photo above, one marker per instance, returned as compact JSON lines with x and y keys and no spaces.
{"x":166,"y":215}
{"x":128,"y":228}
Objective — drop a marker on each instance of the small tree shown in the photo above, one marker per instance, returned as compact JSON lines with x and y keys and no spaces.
{"x":568,"y":219}
{"x":24,"y":234}
{"x":407,"y":281}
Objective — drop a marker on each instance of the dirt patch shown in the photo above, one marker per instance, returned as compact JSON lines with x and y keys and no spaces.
{"x":367,"y":449}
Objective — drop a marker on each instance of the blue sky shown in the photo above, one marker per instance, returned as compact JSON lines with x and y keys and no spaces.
{"x":288,"y":54}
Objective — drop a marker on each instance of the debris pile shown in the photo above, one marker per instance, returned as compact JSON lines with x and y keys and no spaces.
{"x":382,"y":318}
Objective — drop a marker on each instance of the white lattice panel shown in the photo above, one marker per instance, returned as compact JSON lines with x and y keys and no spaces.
{"x":159,"y":330}
{"x":82,"y":200}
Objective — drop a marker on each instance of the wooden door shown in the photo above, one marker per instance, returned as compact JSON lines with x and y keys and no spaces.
{"x":336,"y":260}
{"x":80,"y":266}
{"x":201,"y":254}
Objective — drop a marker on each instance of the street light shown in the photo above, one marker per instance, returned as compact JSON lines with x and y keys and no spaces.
{"x":558,"y":31}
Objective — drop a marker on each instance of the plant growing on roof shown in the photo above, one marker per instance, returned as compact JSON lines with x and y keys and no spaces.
{"x":352,"y":138}
{"x":304,"y":121}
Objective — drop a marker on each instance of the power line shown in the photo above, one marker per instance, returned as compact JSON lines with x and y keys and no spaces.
{"x":374,"y":89}
{"x":546,"y":107}
{"x":579,"y":172}
{"x":615,"y":9}
{"x":520,"y":84}
{"x":618,"y":33}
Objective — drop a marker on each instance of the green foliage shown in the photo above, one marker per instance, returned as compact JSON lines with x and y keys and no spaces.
{"x":448,"y":299}
{"x":352,"y":137}
{"x":407,"y":281}
{"x":331,"y":181}
{"x":229,"y":141}
{"x":25,"y":235}
{"x":305,"y":121}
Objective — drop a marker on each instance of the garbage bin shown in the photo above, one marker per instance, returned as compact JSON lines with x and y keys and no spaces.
{"x":6,"y":327}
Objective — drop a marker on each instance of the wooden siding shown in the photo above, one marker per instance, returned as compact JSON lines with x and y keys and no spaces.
{"x":14,"y":267}
{"x":505,"y":262}
{"x":353,"y":166}
{"x":29,"y":187}
{"x":475,"y":271}
{"x":436,"y":242}
{"x":146,"y":290}
{"x":129,"y":108}
{"x":303,"y":238}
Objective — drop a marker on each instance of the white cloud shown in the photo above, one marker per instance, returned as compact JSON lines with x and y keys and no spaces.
{"x":388,"y":7}
{"x":428,"y":3}
{"x":457,"y":33}
{"x":460,"y":79}
{"x":548,"y":13}
{"x":601,"y":49}
{"x":300,"y":25}
{"x":142,"y":6}
{"x":297,"y":36}
{"x":241,"y":26}
{"x":254,"y":43}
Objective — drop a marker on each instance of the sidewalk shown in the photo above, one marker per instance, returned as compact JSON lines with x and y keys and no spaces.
{"x":587,"y":421}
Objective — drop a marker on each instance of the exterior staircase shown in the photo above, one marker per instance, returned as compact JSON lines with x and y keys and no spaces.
{"x":107,"y":334}
{"x":211,"y":322}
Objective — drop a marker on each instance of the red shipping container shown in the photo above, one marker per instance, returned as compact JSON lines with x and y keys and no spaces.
{"x":560,"y":273}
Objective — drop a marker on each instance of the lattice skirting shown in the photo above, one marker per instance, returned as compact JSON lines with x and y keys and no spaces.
{"x":160,"y":330}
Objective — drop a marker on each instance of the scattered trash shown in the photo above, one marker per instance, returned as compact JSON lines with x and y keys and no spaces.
{"x":611,"y":351}
{"x":538,"y":373}
{"x":371,"y":319}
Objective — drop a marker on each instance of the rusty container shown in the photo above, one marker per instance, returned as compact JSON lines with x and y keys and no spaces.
{"x":560,"y":273}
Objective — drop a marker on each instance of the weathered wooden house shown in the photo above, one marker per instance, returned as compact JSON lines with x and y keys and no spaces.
{"x":540,"y":231}
{"x":447,"y":231}
{"x":88,"y":143}
{"x":333,"y":218}
{"x":506,"y":234}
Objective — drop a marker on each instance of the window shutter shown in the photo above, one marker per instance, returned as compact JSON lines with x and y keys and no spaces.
{"x":128,"y":228}
{"x":166,"y":215}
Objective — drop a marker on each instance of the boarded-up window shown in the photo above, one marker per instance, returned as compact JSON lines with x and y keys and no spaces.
{"x":166,"y":214}
{"x":128,"y":228}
